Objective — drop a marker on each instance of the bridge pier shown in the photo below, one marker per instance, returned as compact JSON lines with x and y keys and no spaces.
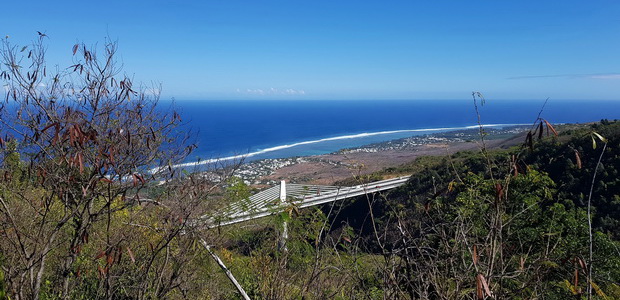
{"x":284,"y":233}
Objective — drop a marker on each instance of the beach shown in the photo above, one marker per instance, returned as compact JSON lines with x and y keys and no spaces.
{"x":326,"y":169}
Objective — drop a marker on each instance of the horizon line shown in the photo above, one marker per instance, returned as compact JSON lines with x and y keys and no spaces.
{"x":383,"y":99}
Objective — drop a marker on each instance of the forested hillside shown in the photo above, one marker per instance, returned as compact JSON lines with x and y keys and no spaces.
{"x":506,"y":223}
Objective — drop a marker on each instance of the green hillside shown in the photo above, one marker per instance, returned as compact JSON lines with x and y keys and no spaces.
{"x":515,"y":220}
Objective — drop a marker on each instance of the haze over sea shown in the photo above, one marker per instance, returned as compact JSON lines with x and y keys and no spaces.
{"x":285,"y":128}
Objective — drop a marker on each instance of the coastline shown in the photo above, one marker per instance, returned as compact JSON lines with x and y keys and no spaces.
{"x":360,"y":139}
{"x":365,"y":159}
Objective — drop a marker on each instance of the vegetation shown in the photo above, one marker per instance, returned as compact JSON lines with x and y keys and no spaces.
{"x":459,"y":229}
{"x":78,"y":148}
{"x":90,"y":208}
{"x":524,"y":233}
{"x":509,"y":223}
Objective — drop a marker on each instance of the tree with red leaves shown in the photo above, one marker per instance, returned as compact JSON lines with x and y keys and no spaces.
{"x":78,"y":144}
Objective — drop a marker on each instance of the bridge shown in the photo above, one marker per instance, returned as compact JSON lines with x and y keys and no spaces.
{"x":280,"y":197}
{"x":277,"y":199}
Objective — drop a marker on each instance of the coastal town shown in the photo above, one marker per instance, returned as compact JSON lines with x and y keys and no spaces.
{"x":264,"y":172}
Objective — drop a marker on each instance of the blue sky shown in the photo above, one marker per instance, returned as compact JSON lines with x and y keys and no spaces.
{"x":343,"y":49}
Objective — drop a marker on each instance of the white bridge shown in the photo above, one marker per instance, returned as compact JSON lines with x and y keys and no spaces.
{"x":280,"y":197}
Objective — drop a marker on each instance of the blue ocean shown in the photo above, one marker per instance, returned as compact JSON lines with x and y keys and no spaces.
{"x":258,"y":129}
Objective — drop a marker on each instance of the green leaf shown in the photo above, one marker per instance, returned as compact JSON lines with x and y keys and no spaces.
{"x":570,"y":287}
{"x":598,"y":290}
{"x":550,"y":264}
{"x":285,"y":217}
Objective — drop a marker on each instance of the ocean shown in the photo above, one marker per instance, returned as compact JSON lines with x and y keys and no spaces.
{"x":259,"y":129}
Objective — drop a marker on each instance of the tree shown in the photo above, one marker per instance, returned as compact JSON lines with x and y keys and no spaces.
{"x":79,"y":146}
{"x":459,"y":233}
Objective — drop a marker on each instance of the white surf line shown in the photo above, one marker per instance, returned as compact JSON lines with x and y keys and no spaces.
{"x":342,"y":137}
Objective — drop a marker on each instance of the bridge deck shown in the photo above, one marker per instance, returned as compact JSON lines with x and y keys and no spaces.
{"x":268,"y":202}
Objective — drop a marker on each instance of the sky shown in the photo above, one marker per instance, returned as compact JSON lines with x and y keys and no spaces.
{"x":219,"y":50}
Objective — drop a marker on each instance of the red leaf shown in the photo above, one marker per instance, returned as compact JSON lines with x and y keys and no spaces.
{"x":55,"y":124}
{"x":141,"y":178}
{"x":515,"y":166}
{"x":576,"y":278}
{"x":551,"y":128}
{"x":105,"y":179}
{"x":176,"y":116}
{"x":498,"y":191}
{"x":71,"y":136}
{"x":475,"y":255}
{"x":581,"y":263}
{"x":55,"y":139}
{"x":81,"y":161}
{"x":138,"y":178}
{"x":100,"y":255}
{"x":427,"y":206}
{"x":101,"y":271}
{"x":578,"y":159}
{"x":480,"y":278}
